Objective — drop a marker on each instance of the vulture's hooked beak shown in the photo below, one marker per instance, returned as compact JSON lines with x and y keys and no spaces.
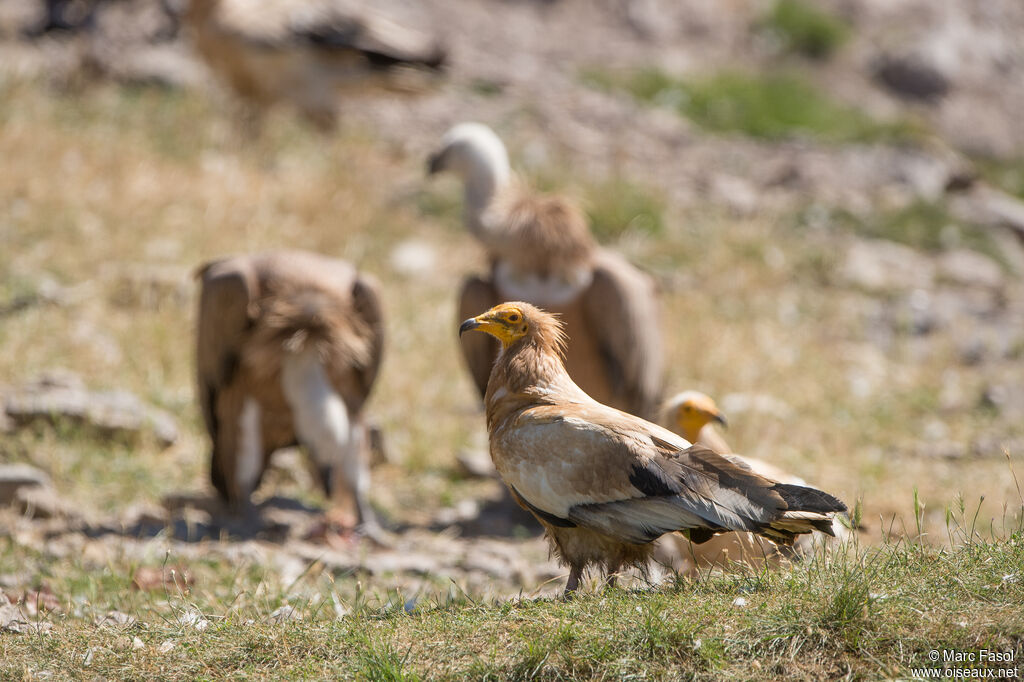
{"x":720,"y":418}
{"x":468,"y":325}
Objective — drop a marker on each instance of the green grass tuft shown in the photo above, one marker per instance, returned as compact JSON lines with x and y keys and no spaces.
{"x":768,"y":106}
{"x":1007,"y":174}
{"x":925,"y":225}
{"x":618,"y":206}
{"x":379,"y":662}
{"x":804,"y":29}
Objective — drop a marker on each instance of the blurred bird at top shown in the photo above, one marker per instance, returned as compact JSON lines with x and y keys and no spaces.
{"x":693,"y":415}
{"x":304,"y":51}
{"x":541,"y":251}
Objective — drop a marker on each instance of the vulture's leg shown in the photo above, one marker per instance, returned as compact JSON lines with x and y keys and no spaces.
{"x":573,"y":583}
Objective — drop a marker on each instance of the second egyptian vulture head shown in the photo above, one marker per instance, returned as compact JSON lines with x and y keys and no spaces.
{"x":691,"y":411}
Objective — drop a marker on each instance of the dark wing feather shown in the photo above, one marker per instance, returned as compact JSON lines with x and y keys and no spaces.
{"x":225,"y":315}
{"x":622,"y":312}
{"x":698,"y":490}
{"x":381,"y":41}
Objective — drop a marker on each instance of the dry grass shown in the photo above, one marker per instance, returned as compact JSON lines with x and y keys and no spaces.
{"x":95,"y":183}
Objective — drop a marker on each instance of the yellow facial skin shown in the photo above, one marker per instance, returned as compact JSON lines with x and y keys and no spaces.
{"x":504,"y":322}
{"x":693,"y":416}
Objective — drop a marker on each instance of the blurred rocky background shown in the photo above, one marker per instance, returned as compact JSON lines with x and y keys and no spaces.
{"x":830,"y":193}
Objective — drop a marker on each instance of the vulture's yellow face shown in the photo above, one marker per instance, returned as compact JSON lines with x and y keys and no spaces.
{"x":695,"y":412}
{"x":506,"y":322}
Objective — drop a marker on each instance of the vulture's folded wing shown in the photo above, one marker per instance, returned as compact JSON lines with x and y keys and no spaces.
{"x":610,"y":472}
{"x":367,"y":305}
{"x":621,"y":308}
{"x":225,"y":315}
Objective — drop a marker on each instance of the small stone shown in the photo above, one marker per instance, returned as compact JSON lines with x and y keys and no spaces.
{"x":283,"y":614}
{"x":475,"y":463}
{"x":42,"y":503}
{"x":194,"y":619}
{"x":110,"y":413}
{"x":880,"y":265}
{"x":17,"y":477}
{"x":911,"y":76}
{"x":35,"y":601}
{"x":137,"y":643}
{"x":165,"y":646}
{"x":175,"y":577}
{"x":414,"y":258}
{"x":970,"y":268}
{"x":739,"y":601}
{"x":115,"y":619}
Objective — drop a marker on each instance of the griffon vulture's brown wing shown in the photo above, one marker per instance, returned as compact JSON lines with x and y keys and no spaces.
{"x":479,"y":350}
{"x":225,"y":314}
{"x":367,"y":305}
{"x":622,"y":311}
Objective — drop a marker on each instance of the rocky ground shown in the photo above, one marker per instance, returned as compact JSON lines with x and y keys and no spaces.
{"x":954,"y":71}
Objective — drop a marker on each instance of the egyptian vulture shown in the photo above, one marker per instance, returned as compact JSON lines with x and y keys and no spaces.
{"x":289,"y":344}
{"x":541,"y":250}
{"x":303,"y":51}
{"x":690,"y":414}
{"x":604,"y":483}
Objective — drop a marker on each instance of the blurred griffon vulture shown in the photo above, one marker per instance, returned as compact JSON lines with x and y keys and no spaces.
{"x":541,"y":251}
{"x":304,"y":51}
{"x":289,"y":345}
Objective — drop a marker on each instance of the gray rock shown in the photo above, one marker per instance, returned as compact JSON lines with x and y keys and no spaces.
{"x":880,"y":265}
{"x":284,"y":614}
{"x":15,"y":478}
{"x":414,"y":258}
{"x":400,"y":562}
{"x":990,"y":206}
{"x":42,"y":502}
{"x":970,"y":268}
{"x":475,"y":463}
{"x":911,"y":76}
{"x":115,"y":619}
{"x":111,"y":413}
{"x":1007,"y":398}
